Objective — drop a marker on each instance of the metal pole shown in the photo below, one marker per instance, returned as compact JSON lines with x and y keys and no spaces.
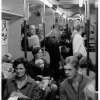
{"x":67,"y":22}
{"x":25,"y":33}
{"x":85,"y":14}
{"x":53,"y":18}
{"x":26,"y":18}
{"x":44,"y":23}
{"x":25,"y":39}
{"x":88,"y":31}
{"x":96,"y":86}
{"x":85,"y":20}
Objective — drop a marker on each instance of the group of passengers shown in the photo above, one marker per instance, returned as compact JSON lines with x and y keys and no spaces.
{"x":58,"y":67}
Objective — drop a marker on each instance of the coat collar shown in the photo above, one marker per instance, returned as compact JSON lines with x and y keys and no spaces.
{"x":80,"y":79}
{"x":28,"y":80}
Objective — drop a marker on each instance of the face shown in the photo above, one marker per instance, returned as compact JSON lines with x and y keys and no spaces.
{"x":40,"y":63}
{"x":41,"y":29}
{"x":39,"y":53}
{"x":82,"y":29}
{"x":70,"y":71}
{"x":20,"y":70}
{"x":32,"y":29}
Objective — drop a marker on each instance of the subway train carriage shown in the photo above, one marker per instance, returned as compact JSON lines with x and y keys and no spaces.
{"x":49,"y":49}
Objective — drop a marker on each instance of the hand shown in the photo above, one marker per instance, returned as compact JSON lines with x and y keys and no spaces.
{"x":47,"y":89}
{"x":51,"y":81}
{"x":20,"y":95}
{"x":46,"y":78}
{"x":40,"y":76}
{"x":38,"y":82}
{"x":54,"y":87}
{"x":13,"y":94}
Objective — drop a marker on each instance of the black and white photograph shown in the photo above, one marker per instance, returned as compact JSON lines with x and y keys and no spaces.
{"x":49,"y":50}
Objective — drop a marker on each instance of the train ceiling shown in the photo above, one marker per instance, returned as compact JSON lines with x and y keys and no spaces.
{"x":68,"y":5}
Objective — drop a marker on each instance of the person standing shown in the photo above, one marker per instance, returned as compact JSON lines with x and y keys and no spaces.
{"x":55,"y":33}
{"x":77,"y":39}
{"x":33,"y":40}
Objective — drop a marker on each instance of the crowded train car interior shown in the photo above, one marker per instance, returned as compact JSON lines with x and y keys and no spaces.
{"x":49,"y":50}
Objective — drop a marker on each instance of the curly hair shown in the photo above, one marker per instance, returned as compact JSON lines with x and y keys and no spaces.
{"x":21,"y":60}
{"x":45,"y":62}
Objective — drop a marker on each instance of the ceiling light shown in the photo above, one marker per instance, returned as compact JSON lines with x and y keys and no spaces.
{"x":81,"y":3}
{"x":59,"y":12}
{"x":64,"y":16}
{"x":96,"y":4}
{"x":47,"y":3}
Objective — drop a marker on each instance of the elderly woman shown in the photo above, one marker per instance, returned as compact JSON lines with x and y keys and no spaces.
{"x":21,"y":85}
{"x":45,"y":79}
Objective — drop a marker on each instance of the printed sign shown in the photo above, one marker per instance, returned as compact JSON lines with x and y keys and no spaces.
{"x":4,"y":33}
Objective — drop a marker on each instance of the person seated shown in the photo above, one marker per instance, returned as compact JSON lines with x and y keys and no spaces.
{"x":52,"y":47}
{"x":23,"y":46}
{"x":40,"y":53}
{"x":7,"y":58}
{"x":7,"y":66}
{"x":90,"y":92}
{"x":78,"y":55}
{"x":83,"y":67}
{"x":33,"y":40}
{"x":63,"y":53}
{"x":6,"y":69}
{"x":44,"y":77}
{"x":72,"y":88}
{"x":21,"y":85}
{"x":39,"y":31}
